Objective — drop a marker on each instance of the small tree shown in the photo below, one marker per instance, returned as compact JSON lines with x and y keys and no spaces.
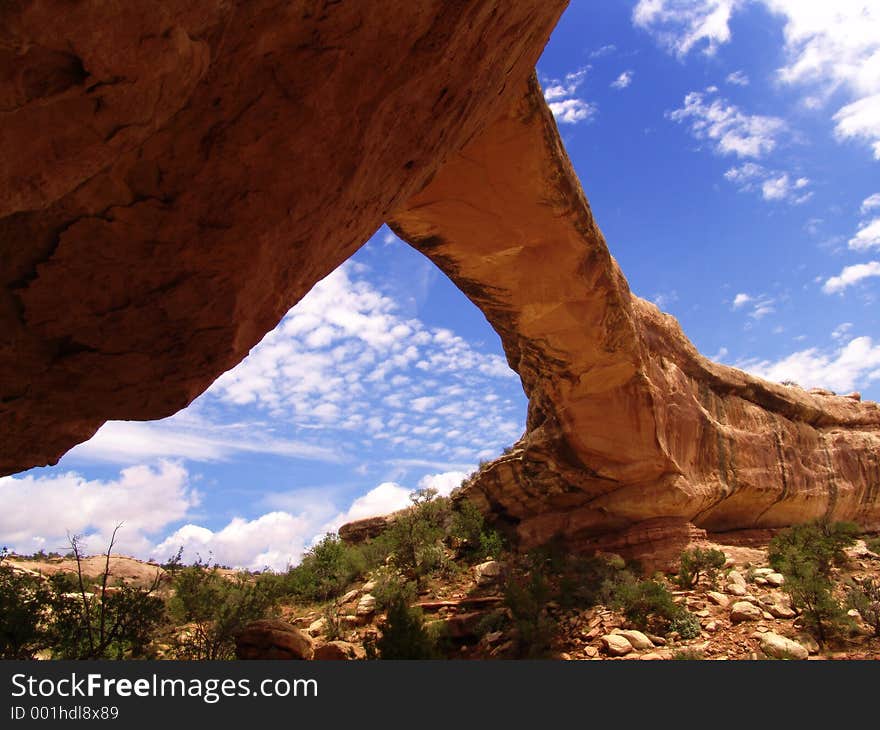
{"x":526,"y":595}
{"x":805,"y":555}
{"x":415,"y":534}
{"x":24,"y":601}
{"x":116,"y":622}
{"x":404,"y":634}
{"x":216,"y":607}
{"x":698,"y":562}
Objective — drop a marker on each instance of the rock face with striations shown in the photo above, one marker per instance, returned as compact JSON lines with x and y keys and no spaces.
{"x":200,"y":165}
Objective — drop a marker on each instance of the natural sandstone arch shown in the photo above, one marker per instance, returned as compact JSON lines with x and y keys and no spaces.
{"x":210,"y":161}
{"x":627,"y":421}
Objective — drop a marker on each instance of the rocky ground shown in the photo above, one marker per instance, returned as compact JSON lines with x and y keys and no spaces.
{"x":744,"y":615}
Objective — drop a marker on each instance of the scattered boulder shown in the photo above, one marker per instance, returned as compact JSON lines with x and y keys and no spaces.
{"x":366,"y":605}
{"x":736,"y":578}
{"x":637,"y":639}
{"x":775,"y":579}
{"x":489,"y":572}
{"x":616,"y":645}
{"x":719,"y":599}
{"x":273,"y":639}
{"x":317,"y":627}
{"x":335,"y":651}
{"x":735,"y":589}
{"x":745,"y":611}
{"x":350,"y":596}
{"x":781,"y":647}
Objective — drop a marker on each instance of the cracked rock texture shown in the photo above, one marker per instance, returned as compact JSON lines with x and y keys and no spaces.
{"x":177,"y":174}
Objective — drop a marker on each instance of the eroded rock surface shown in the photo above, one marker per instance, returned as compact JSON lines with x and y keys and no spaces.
{"x":176,"y":176}
{"x":629,"y":427}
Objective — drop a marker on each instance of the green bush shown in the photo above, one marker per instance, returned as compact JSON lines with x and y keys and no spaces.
{"x":469,"y":528}
{"x":24,"y":603}
{"x":216,"y":607}
{"x":865,"y":598}
{"x":805,"y":555}
{"x":821,"y":543}
{"x":696,"y":563}
{"x":403,"y":634}
{"x":526,"y":595}
{"x":649,"y":606}
{"x":588,"y":581}
{"x":414,"y":536}
{"x":325,"y":572}
{"x":873,"y":544}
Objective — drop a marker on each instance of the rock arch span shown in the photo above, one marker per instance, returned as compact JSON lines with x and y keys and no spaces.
{"x":200,"y":165}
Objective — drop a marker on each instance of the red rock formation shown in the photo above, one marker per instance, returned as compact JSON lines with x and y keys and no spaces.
{"x":627,"y":421}
{"x":177,"y":175}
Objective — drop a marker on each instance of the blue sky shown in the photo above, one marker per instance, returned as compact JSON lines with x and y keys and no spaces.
{"x":730,"y":150}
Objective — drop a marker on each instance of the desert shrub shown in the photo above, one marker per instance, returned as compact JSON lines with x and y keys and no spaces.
{"x":588,"y":581}
{"x":390,"y":587}
{"x":873,"y":544}
{"x":415,"y":535}
{"x":24,"y":602}
{"x":325,"y":572}
{"x":526,"y":594}
{"x":115,"y":623}
{"x":215,"y":608}
{"x":477,"y":539}
{"x":820,"y":543}
{"x":865,"y":598}
{"x":805,"y":555}
{"x":648,"y":605}
{"x":685,"y":624}
{"x":696,"y":563}
{"x":403,"y":634}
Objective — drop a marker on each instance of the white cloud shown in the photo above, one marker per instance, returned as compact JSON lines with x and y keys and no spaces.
{"x":773,"y":185}
{"x":572,"y":111}
{"x":622,"y":81}
{"x":603,"y":51}
{"x":563,"y":102}
{"x":187,"y":436}
{"x":830,"y":47}
{"x":841,"y":332}
{"x":851,"y":275}
{"x":870,"y":203}
{"x":867,"y":237}
{"x":727,"y":127}
{"x":860,"y":120}
{"x":849,"y":367}
{"x":741,"y":299}
{"x":681,"y":25}
{"x":737,"y":78}
{"x":39,"y":511}
{"x":444,"y":483}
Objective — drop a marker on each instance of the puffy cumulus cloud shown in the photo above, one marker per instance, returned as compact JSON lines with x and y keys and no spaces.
{"x":273,"y":540}
{"x":829,"y":47}
{"x":444,"y":483}
{"x":727,"y":127}
{"x":278,"y":539}
{"x":867,"y":237}
{"x":772,"y":184}
{"x":561,"y":96}
{"x":681,"y":25}
{"x":741,"y":299}
{"x":344,"y":373}
{"x":622,"y":81}
{"x":854,"y":365}
{"x":40,"y":511}
{"x":758,"y":306}
{"x":851,"y":275}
